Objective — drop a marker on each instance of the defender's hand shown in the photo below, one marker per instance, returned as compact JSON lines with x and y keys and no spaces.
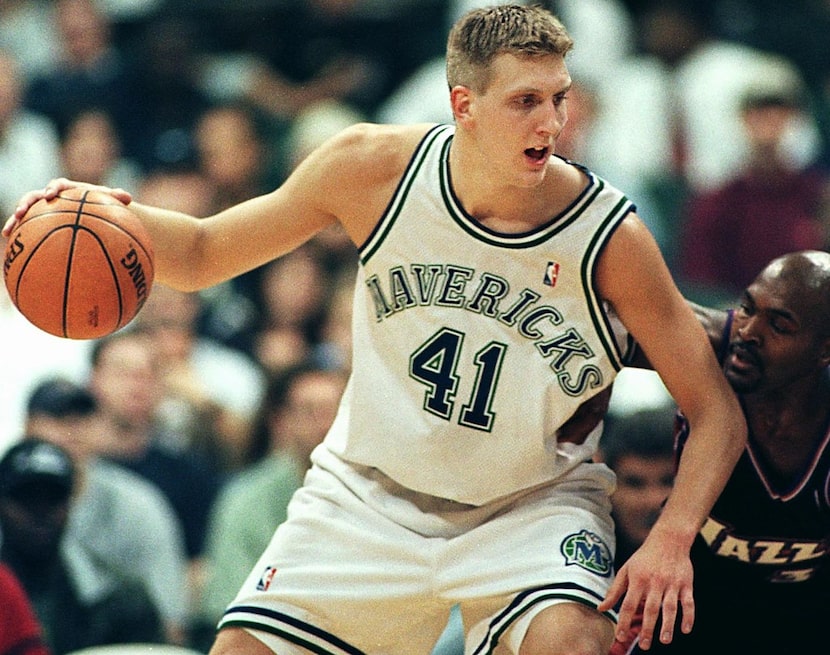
{"x":656,"y":579}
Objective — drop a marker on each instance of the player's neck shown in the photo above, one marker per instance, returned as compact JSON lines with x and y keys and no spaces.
{"x":506,"y":206}
{"x":798,"y":414}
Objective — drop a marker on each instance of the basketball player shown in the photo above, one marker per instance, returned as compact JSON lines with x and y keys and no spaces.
{"x":762,"y":558}
{"x":442,"y":480}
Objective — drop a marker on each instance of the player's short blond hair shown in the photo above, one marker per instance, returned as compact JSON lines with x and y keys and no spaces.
{"x":482,"y":34}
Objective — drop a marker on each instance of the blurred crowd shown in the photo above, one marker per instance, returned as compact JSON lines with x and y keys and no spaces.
{"x":184,"y":435}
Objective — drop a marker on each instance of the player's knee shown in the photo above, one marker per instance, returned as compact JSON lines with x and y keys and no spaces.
{"x":568,"y":629}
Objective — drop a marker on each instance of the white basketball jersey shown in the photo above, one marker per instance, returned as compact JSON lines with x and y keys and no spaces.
{"x":472,"y":347}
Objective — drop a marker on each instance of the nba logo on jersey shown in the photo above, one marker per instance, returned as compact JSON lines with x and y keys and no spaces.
{"x":551,"y":273}
{"x":266,"y":578}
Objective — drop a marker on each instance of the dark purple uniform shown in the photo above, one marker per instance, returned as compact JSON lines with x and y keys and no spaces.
{"x":762,"y":562}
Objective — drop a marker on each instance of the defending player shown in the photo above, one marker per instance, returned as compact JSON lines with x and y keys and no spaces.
{"x":762,"y":559}
{"x":487,"y":269}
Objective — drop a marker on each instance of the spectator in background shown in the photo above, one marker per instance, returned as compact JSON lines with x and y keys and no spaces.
{"x":165,"y":81}
{"x":208,"y":393}
{"x":701,"y":79}
{"x":27,"y":33}
{"x":798,"y":30}
{"x":35,"y":356}
{"x":316,"y":123}
{"x":773,"y":205}
{"x":120,"y":525}
{"x":235,"y":157}
{"x":639,"y":447}
{"x":293,"y":296}
{"x":20,"y":630}
{"x":29,"y":146}
{"x":280,"y":347}
{"x":125,"y":379}
{"x":91,"y":151}
{"x":334,"y":346}
{"x":331,"y":49}
{"x":244,"y":76}
{"x":669,"y":114}
{"x":92,"y":70}
{"x":298,"y":410}
{"x":184,"y":189}
{"x":148,"y":85}
{"x":37,"y":480}
{"x":232,"y":153}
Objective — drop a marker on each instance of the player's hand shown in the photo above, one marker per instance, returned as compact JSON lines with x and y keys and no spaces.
{"x":656,"y":579}
{"x":52,"y":189}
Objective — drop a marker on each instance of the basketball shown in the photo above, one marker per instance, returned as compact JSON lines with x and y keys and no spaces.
{"x":79,"y":266}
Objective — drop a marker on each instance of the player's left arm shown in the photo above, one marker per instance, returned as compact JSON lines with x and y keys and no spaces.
{"x":633,"y":277}
{"x":714,"y":323}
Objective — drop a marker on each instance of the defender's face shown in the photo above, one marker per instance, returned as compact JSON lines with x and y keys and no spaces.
{"x":519,"y":116}
{"x":775,"y":338}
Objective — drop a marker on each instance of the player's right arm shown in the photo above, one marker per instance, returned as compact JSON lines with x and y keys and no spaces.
{"x":192,"y":253}
{"x":350,"y":179}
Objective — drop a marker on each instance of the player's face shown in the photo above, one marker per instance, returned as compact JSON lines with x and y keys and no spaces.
{"x":520,"y":115}
{"x":776,"y":338}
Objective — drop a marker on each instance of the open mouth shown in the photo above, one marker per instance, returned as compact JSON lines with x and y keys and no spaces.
{"x":538,"y":154}
{"x":741,"y":358}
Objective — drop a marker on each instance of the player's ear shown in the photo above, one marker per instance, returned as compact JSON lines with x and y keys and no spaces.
{"x":460,"y":102}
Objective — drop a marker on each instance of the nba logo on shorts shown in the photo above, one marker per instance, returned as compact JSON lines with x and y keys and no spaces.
{"x":266,"y":578}
{"x":551,"y":273}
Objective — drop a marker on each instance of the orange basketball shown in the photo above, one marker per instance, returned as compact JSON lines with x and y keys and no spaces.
{"x":79,"y":266}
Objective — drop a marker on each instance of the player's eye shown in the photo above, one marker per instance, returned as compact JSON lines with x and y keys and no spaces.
{"x":782,"y":326}
{"x":745,"y":308}
{"x":527,"y":101}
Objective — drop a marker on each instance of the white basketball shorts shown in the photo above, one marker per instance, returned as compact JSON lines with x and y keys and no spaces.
{"x":365,"y":566}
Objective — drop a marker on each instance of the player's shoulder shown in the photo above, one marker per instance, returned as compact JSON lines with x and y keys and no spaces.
{"x":376,"y":145}
{"x":367,"y":133}
{"x":353,"y":174}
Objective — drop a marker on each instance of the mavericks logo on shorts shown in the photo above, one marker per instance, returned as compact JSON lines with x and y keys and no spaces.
{"x":589,"y":551}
